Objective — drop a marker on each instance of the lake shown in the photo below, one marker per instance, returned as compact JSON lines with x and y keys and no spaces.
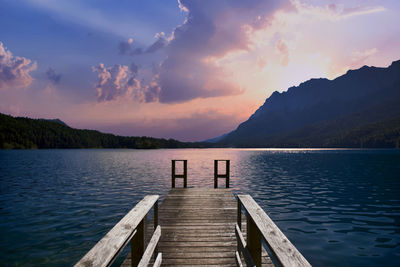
{"x":338,"y":207}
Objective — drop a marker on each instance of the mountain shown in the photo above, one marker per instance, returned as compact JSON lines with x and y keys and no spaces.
{"x":216,"y":139}
{"x":358,"y":109}
{"x":25,"y":133}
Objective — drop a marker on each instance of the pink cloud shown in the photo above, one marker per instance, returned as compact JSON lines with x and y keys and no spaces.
{"x":212,"y":30}
{"x":14,"y":71}
{"x":119,"y":81}
{"x":334,"y":11}
{"x":261,"y":62}
{"x":284,"y":51}
{"x":359,"y":58}
{"x":194,"y":127}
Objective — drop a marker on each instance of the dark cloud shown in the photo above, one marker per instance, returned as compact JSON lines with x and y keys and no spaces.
{"x":127,"y":48}
{"x":157,"y":45}
{"x":124,"y":48}
{"x":136,"y":51}
{"x":133,"y":68}
{"x":53,"y":76}
{"x":14,"y":71}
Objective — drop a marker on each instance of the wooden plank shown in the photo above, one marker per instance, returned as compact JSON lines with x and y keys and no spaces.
{"x":284,"y":251}
{"x":198,"y":227}
{"x":106,"y":250}
{"x":202,"y":261}
{"x":242,"y":247}
{"x":157,"y":262}
{"x":197,"y":254}
{"x":238,"y":260}
{"x":150,"y":248}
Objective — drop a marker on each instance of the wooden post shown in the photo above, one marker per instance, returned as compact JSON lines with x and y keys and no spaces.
{"x":155,"y":225}
{"x":185,"y":173}
{"x":239,"y":214}
{"x":239,"y":219}
{"x":227,"y":173}
{"x":217,"y":175}
{"x":254,"y":241}
{"x":155,"y":214}
{"x":174,"y":175}
{"x":137,"y":244}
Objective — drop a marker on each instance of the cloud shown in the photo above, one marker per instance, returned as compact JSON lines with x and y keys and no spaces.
{"x":124,"y":47}
{"x":197,"y":126}
{"x":284,"y":51}
{"x":119,"y":81}
{"x":333,"y":11}
{"x":133,"y":68}
{"x":14,"y":71}
{"x":360,"y":57}
{"x":53,"y":76}
{"x":261,"y":62}
{"x":157,"y":45}
{"x":127,"y":47}
{"x":212,"y":30}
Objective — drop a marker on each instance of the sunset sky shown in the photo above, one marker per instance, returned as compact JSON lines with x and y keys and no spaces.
{"x":187,"y":69}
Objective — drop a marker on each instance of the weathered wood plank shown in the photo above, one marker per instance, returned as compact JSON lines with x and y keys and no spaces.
{"x":106,"y":250}
{"x":285,"y":252}
{"x":242,"y":247}
{"x":202,"y":261}
{"x":238,"y":260}
{"x":158,"y":261}
{"x":150,"y":248}
{"x":198,"y":227}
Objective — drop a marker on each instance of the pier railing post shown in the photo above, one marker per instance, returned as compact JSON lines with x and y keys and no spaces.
{"x":254,"y":241}
{"x":155,"y":226}
{"x":137,"y":244}
{"x":217,"y":175}
{"x":174,"y":175}
{"x":239,"y":214}
{"x":185,"y":173}
{"x":228,"y":167}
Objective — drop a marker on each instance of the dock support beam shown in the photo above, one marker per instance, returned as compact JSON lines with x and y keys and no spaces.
{"x":137,"y":245}
{"x":217,"y":175}
{"x":254,"y":241}
{"x":174,"y":175}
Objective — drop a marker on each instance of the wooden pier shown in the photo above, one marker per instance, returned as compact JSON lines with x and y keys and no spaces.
{"x":196,"y":227}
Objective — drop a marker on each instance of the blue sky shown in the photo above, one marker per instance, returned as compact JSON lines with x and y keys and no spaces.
{"x":189,"y":69}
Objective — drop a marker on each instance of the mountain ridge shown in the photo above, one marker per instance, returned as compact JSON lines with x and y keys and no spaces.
{"x":320,"y":101}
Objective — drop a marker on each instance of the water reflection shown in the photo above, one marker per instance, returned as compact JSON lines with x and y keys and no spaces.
{"x":339,"y":207}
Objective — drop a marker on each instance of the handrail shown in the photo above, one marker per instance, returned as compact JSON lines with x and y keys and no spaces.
{"x":260,"y":225}
{"x":150,"y":248}
{"x":130,"y":227}
{"x":242,"y":247}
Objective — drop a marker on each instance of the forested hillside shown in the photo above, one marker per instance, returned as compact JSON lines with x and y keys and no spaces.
{"x":25,"y":133}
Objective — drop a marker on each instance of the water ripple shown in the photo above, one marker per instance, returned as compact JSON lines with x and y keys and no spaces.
{"x":339,"y":207}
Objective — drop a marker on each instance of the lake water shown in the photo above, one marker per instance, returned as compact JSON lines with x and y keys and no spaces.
{"x":338,"y":207}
